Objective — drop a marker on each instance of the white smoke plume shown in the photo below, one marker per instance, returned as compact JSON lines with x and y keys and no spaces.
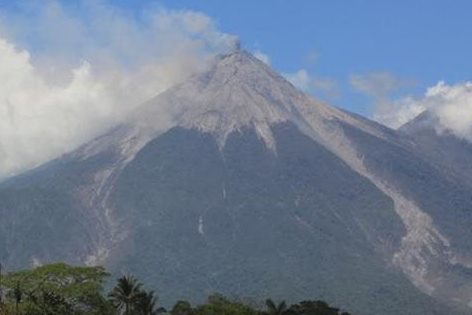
{"x":68,"y":73}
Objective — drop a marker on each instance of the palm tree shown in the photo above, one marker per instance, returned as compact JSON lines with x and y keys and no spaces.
{"x":126,"y":294}
{"x":147,"y":303}
{"x":273,"y":309}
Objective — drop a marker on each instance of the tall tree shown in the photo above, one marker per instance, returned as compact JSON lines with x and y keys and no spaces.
{"x":126,"y":294}
{"x":146,"y":304}
{"x":56,"y":286}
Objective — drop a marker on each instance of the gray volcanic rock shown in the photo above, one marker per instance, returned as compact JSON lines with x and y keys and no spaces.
{"x":236,"y":182}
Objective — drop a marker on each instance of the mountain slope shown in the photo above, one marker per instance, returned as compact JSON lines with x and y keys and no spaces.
{"x":235,"y":181}
{"x":441,"y":147}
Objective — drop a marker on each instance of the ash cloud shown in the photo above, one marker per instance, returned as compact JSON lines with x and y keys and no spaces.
{"x":71,"y":72}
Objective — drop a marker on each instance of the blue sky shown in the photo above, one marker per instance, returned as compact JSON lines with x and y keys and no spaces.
{"x":418,"y":41}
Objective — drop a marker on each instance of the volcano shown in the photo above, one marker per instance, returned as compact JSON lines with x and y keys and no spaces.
{"x":236,"y":182}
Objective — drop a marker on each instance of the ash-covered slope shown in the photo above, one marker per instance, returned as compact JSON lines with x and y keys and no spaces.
{"x":235,"y":181}
{"x":441,"y":146}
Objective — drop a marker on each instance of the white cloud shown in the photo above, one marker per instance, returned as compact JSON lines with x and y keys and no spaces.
{"x":376,"y":84}
{"x":451,"y":104}
{"x":301,"y":79}
{"x":39,"y":120}
{"x":397,"y":113}
{"x":309,"y":83}
{"x":262,"y":57}
{"x":68,"y":76}
{"x":381,"y":86}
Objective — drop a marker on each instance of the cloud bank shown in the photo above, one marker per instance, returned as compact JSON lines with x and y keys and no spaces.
{"x":450,"y":104}
{"x":70,"y":72}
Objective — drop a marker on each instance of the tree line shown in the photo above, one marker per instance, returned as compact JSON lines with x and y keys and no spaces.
{"x":60,"y":289}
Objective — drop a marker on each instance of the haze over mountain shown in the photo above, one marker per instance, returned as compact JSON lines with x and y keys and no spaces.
{"x":235,"y":181}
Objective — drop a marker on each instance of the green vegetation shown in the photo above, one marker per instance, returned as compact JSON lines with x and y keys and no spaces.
{"x":59,"y":289}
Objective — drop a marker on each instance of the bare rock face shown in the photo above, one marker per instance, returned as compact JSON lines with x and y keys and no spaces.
{"x":236,"y":182}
